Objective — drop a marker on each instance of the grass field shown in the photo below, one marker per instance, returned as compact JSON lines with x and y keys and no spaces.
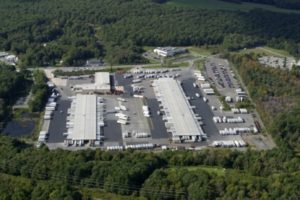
{"x":199,"y":51}
{"x":183,"y":64}
{"x":221,"y":5}
{"x":268,"y":51}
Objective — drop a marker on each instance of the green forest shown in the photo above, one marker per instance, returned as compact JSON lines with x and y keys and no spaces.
{"x":277,"y":97}
{"x":12,"y":85}
{"x":290,"y":4}
{"x":51,"y":32}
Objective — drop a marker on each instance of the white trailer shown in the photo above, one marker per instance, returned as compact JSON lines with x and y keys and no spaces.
{"x":138,"y":96}
{"x":136,"y":80}
{"x":121,"y":99}
{"x":121,"y":121}
{"x":209,"y":91}
{"x":124,"y":117}
{"x":123,"y":108}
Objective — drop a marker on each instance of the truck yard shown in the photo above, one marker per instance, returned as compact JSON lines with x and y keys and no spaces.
{"x":137,"y":118}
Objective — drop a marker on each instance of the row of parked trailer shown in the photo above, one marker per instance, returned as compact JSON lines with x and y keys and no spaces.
{"x":146,"y":111}
{"x":122,"y":118}
{"x":239,"y":110}
{"x":43,"y":136}
{"x":238,"y":130}
{"x":225,"y":119}
{"x":151,"y":71}
{"x":199,"y":76}
{"x":229,"y":143}
{"x":206,"y":87}
{"x":137,"y":88}
{"x":139,"y":78}
{"x":151,"y":74}
{"x":50,"y":106}
{"x":131,"y":146}
{"x":141,"y":135}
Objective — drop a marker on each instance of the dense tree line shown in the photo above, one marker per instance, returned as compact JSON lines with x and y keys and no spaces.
{"x":167,"y":175}
{"x":199,"y":184}
{"x":277,"y":96}
{"x":64,"y":31}
{"x":289,"y":4}
{"x":40,"y":92}
{"x":19,"y":188}
{"x":12,"y":85}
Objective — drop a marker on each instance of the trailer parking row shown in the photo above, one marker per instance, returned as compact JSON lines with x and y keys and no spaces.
{"x":229,"y":143}
{"x":238,"y":130}
{"x":225,"y":119}
{"x":131,"y":146}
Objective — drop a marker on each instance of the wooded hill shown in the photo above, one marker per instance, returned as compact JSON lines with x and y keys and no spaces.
{"x":44,"y":32}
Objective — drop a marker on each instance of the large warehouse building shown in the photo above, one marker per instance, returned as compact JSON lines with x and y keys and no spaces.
{"x":85,"y":120}
{"x":178,"y":114}
{"x":102,"y":85}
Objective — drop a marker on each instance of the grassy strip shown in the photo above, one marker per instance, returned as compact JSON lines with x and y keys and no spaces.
{"x":184,"y":64}
{"x":59,"y":72}
{"x":200,"y":64}
{"x":266,"y":51}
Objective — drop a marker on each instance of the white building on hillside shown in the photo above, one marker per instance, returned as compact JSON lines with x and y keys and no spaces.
{"x":168,"y":51}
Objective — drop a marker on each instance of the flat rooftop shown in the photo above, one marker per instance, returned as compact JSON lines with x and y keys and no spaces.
{"x":178,"y":112}
{"x":102,"y":79}
{"x":85,"y":119}
{"x":102,"y":82}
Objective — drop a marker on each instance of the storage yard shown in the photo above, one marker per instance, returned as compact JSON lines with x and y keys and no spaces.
{"x":278,"y":62}
{"x":157,"y":108}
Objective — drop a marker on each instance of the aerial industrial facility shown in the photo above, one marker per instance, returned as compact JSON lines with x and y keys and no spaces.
{"x":179,"y":116}
{"x":157,"y":107}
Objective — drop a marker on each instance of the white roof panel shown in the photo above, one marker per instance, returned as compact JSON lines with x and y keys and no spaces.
{"x":85,"y":118}
{"x":177,"y":108}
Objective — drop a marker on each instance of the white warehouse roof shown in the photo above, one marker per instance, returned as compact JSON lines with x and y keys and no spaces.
{"x":102,"y":83}
{"x":178,"y":112}
{"x":85,"y":118}
{"x":102,"y":80}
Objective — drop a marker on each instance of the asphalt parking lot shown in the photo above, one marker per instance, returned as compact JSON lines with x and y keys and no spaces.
{"x":58,"y":122}
{"x":220,"y":75}
{"x":202,"y":108}
{"x":112,"y":130}
{"x":157,"y":126}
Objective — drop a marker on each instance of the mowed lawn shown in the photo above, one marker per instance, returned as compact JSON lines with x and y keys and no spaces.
{"x":221,"y":5}
{"x":267,"y":51}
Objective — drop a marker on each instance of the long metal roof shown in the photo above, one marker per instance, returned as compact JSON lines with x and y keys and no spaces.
{"x":85,"y":118}
{"x":178,"y":112}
